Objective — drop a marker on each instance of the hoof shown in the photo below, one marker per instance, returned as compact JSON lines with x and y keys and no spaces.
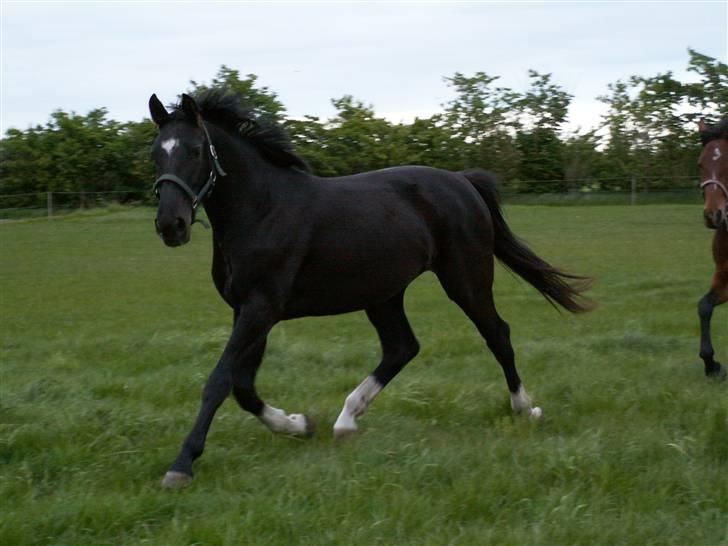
{"x":176,"y":480}
{"x":718,"y":372}
{"x":309,"y":429}
{"x":535,"y":413}
{"x":341,"y":433}
{"x":299,"y":425}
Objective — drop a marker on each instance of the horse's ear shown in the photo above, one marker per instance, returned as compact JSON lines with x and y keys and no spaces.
{"x":191,"y":110}
{"x":702,"y":126}
{"x":159,"y":113}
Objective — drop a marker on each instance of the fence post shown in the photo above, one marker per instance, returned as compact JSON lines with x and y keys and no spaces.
{"x":49,"y":196}
{"x":633,"y":195}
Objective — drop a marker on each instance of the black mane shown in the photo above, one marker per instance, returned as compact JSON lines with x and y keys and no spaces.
{"x":714,"y":132}
{"x":225,"y":109}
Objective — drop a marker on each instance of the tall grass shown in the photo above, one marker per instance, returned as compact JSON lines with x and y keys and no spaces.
{"x":107,"y":338}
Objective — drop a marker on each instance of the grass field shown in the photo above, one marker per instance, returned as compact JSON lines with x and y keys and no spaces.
{"x":107,"y":337}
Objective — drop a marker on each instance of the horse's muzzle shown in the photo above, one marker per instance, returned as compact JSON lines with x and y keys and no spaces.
{"x":173,"y":231}
{"x":714,"y":219}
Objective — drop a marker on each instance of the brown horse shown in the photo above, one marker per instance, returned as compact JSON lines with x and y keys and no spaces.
{"x":714,"y":183}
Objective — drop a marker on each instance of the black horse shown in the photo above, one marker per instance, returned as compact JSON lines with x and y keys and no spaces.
{"x":289,"y":244}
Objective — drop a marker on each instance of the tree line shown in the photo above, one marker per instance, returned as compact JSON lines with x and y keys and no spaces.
{"x":648,"y":130}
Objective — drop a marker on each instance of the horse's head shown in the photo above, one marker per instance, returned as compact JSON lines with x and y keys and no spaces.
{"x":714,"y":174}
{"x":187,"y":168}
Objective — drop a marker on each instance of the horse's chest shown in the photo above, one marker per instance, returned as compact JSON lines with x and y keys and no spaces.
{"x":240,"y":272}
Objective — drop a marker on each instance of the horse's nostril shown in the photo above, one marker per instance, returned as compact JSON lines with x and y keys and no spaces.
{"x":181,"y":224}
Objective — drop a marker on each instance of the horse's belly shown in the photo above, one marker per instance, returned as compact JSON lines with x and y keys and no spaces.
{"x":349,"y":283}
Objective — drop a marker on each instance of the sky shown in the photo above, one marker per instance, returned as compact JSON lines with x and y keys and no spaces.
{"x":393,"y":55}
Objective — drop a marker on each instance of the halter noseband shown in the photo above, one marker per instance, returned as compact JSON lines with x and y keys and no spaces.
{"x":722,"y":187}
{"x":206,"y":190}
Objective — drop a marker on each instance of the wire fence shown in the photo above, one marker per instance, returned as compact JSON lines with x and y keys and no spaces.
{"x":588,"y":191}
{"x":55,"y":203}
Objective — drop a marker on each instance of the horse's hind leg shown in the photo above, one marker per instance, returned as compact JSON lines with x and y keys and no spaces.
{"x":399,"y":346}
{"x":469,"y":284}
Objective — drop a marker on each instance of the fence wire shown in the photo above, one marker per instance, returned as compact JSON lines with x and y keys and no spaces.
{"x":636,"y":190}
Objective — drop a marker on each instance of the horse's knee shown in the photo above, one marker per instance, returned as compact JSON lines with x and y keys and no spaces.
{"x":705,"y":306}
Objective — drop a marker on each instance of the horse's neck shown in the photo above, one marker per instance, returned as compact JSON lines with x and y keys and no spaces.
{"x":250,"y":187}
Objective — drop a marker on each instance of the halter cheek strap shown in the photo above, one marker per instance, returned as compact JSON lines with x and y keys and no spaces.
{"x":213,"y":153}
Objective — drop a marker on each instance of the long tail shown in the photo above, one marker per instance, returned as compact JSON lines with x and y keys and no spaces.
{"x":556,"y":286}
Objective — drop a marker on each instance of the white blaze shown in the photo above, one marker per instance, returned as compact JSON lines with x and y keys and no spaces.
{"x":169,"y":145}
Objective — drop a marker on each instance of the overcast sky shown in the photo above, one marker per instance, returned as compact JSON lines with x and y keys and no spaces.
{"x":77,"y":56}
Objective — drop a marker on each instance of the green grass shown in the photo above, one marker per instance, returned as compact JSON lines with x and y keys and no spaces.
{"x":107,"y":337}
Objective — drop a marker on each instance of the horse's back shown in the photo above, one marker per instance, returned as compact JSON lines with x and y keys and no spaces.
{"x":448,"y":203}
{"x":408,"y":201}
{"x":438,"y":195}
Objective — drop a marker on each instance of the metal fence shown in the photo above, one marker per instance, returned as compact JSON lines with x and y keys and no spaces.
{"x":54,"y":203}
{"x":629,"y":190}
{"x":593,"y":191}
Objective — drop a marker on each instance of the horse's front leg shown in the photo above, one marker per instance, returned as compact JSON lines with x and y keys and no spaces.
{"x":705,"y":311}
{"x":245,"y":346}
{"x":244,"y":391}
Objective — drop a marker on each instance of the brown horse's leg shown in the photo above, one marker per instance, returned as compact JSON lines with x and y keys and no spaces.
{"x":717,"y":294}
{"x":705,"y":311}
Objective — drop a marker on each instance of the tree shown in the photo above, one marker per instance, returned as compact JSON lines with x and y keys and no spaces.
{"x":621,"y":130}
{"x":310,"y":137}
{"x":545,"y":105}
{"x":483,"y":118}
{"x":649,"y":124}
{"x":133,"y":144}
{"x":429,"y":141}
{"x":710,"y":95}
{"x":585,"y":165}
{"x":542,"y":110}
{"x":72,"y":153}
{"x":357,"y":140}
{"x":25,"y":164}
{"x":262,"y":100}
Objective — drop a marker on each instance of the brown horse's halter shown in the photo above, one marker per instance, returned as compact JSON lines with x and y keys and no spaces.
{"x":721,"y":186}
